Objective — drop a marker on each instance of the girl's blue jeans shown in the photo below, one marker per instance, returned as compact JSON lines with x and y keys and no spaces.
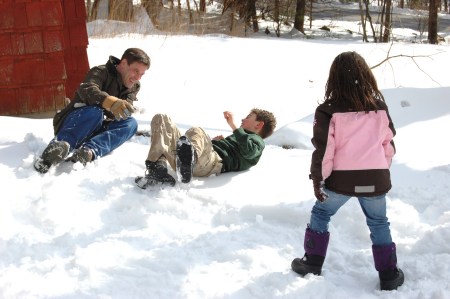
{"x":374,"y":208}
{"x":85,"y":126}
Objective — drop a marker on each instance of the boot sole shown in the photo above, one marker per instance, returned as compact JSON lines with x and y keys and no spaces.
{"x":185,"y":157}
{"x":390,"y":285}
{"x":299,"y":267}
{"x":144,"y":182}
{"x":53,"y":154}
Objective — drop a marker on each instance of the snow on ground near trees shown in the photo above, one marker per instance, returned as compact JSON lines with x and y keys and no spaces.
{"x":89,"y":232}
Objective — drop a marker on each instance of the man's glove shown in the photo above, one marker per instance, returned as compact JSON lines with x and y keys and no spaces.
{"x":120,"y":108}
{"x":318,"y":190}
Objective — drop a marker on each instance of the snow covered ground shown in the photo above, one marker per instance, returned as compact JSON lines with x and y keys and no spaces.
{"x":89,"y":232}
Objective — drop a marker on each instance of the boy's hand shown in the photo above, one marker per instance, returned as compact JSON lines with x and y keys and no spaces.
{"x":229,"y":118}
{"x":219,"y":137}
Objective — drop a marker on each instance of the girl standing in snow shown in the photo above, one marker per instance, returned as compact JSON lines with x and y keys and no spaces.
{"x":353,"y":143}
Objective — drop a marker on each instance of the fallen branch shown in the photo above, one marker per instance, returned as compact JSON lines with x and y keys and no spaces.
{"x":407,"y":56}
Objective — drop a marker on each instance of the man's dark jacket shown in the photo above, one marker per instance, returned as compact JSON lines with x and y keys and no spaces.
{"x":100,"y":81}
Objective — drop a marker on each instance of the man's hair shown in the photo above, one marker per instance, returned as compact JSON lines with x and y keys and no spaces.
{"x":136,"y":55}
{"x":269,"y":120}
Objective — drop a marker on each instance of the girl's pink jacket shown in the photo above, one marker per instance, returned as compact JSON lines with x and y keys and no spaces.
{"x":353,"y":150}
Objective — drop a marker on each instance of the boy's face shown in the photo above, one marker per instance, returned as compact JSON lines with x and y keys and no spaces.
{"x":131,"y":73}
{"x":251,"y":124}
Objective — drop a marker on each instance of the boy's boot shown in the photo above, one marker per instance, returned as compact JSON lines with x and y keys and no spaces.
{"x":385,"y":259}
{"x":53,"y":154}
{"x":185,"y":159}
{"x":315,"y":245}
{"x":156,"y":172}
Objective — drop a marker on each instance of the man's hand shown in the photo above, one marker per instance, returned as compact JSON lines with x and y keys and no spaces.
{"x":318,"y":190}
{"x":120,"y":108}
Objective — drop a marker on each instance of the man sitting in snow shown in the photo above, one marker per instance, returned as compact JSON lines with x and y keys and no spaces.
{"x":97,"y":120}
{"x":195,"y":154}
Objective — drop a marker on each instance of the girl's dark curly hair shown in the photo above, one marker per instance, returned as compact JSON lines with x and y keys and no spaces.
{"x":352,"y":84}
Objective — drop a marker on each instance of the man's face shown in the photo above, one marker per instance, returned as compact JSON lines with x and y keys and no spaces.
{"x":131,"y":73}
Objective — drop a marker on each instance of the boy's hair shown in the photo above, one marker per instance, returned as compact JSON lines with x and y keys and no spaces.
{"x":269,"y":121}
{"x":352,"y":84}
{"x":136,"y":55}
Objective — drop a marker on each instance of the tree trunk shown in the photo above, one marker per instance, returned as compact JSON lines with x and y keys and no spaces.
{"x":433,"y":22}
{"x":88,"y":8}
{"x":203,"y":5}
{"x":94,"y":10}
{"x":276,"y":17}
{"x":251,"y":14}
{"x":299,"y":21}
{"x":152,"y":7}
{"x":388,"y":21}
{"x":191,"y":20}
{"x":368,"y":17}
{"x":121,"y":10}
{"x":310,"y":13}
{"x":363,"y":22}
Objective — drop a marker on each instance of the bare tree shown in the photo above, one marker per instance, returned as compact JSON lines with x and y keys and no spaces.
{"x":203,"y":5}
{"x":363,"y":21}
{"x":412,"y":57}
{"x":387,"y":21}
{"x":276,"y":17}
{"x":248,"y":13}
{"x":300,"y":16}
{"x":120,"y":10}
{"x":88,"y":8}
{"x":433,"y":21}
{"x":92,"y":15}
{"x":153,"y":8}
{"x":244,"y":10}
{"x":230,"y":5}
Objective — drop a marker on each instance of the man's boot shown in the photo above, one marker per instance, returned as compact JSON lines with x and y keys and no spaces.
{"x":53,"y":154}
{"x":315,"y":245}
{"x":385,"y":258}
{"x":83,"y":155}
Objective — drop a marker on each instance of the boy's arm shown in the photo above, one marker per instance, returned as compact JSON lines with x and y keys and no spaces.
{"x":229,"y":118}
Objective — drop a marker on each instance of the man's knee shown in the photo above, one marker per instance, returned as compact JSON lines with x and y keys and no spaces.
{"x":132,"y":124}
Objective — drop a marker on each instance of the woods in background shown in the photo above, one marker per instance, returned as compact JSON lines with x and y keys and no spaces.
{"x":238,"y":17}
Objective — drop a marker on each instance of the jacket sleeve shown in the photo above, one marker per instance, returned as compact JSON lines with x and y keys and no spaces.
{"x":90,"y":91}
{"x":132,"y":96}
{"x":320,"y":141}
{"x":388,"y":144}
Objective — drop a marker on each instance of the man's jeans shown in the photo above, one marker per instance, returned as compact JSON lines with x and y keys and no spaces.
{"x":374,"y":209}
{"x":85,"y":126}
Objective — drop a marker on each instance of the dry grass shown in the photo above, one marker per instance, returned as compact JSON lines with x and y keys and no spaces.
{"x":175,"y":21}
